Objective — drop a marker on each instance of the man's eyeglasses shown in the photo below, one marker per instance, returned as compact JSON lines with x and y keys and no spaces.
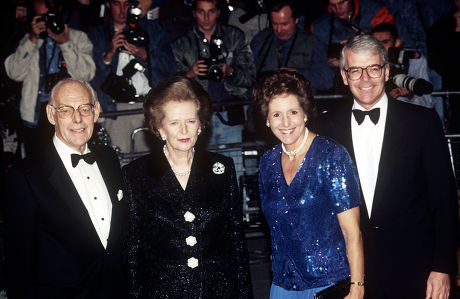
{"x":356,"y":72}
{"x":68,"y":111}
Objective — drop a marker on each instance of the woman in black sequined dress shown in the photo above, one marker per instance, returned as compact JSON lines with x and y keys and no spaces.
{"x":186,"y":238}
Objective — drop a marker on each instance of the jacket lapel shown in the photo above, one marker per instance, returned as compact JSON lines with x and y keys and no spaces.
{"x":60,"y":180}
{"x":391,"y":139}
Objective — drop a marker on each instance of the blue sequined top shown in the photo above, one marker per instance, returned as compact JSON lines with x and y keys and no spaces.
{"x":307,"y":242}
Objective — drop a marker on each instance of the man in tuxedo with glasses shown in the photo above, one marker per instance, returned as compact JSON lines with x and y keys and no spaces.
{"x":409,"y":211}
{"x":65,"y":212}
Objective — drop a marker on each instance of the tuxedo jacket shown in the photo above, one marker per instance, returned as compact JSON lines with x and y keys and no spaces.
{"x":412,"y":228}
{"x":53,"y":249}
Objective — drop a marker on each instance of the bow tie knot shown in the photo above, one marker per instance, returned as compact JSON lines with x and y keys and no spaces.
{"x":89,"y":158}
{"x":374,"y":115}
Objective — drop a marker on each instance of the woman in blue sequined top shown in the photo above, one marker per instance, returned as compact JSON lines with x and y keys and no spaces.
{"x":310,"y":196}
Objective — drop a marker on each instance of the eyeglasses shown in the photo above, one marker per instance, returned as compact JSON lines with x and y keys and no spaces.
{"x":68,"y":111}
{"x":356,"y":72}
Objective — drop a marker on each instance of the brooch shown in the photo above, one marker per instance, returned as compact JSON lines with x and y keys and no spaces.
{"x":120,"y":195}
{"x":218,"y":168}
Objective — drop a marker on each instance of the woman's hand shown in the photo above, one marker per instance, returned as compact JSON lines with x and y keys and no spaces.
{"x":349,"y":223}
{"x":356,"y":292}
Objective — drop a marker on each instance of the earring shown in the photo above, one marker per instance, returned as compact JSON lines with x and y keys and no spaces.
{"x":163,"y":137}
{"x":199,"y":131}
{"x":305,"y":119}
{"x":267,"y":124}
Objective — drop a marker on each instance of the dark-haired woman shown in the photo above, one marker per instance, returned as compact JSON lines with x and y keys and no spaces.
{"x":310,"y":196}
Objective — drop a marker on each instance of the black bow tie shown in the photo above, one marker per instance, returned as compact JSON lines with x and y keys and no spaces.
{"x":89,"y":158}
{"x":374,"y":115}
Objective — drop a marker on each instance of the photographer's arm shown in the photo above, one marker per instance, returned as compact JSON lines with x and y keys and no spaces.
{"x":77,"y":53}
{"x":244,"y":70}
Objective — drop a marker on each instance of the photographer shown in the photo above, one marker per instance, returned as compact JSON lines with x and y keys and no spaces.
{"x":404,"y":62}
{"x":116,"y":44}
{"x":49,"y":52}
{"x":219,"y":58}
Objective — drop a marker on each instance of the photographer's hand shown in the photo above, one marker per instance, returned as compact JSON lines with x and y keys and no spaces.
{"x":197,"y":69}
{"x":117,"y":42}
{"x":60,"y":38}
{"x":140,"y":52}
{"x":291,"y":69}
{"x":227,"y":70}
{"x":36,"y":27}
{"x":401,"y":92}
{"x":333,"y":62}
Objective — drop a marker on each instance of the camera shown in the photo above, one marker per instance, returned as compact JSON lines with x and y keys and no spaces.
{"x":217,"y":55}
{"x":134,"y":35}
{"x":400,"y":56}
{"x":414,"y":85}
{"x":119,"y":87}
{"x":53,"y":18}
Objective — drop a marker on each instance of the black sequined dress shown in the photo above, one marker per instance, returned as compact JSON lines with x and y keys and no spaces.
{"x":186,"y":243}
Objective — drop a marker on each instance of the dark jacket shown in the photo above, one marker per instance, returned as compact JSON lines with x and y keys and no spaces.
{"x":413,"y":224}
{"x":238,"y":55}
{"x":53,"y":249}
{"x":158,"y":252}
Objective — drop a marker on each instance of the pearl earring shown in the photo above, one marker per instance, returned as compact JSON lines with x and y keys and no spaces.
{"x":305,"y":119}
{"x":267,"y":124}
{"x":163,"y":137}
{"x":199,"y":131}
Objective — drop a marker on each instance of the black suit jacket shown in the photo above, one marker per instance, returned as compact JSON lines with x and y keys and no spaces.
{"x":412,"y":228}
{"x":53,"y":250}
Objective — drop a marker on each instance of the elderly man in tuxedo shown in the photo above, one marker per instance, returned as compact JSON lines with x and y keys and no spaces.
{"x":408,"y":219}
{"x":65,"y":212}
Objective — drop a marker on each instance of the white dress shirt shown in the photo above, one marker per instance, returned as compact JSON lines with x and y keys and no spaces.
{"x":367,"y":145}
{"x":90,"y":185}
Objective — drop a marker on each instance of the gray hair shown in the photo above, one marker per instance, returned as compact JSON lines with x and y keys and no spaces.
{"x":85,"y":84}
{"x":363,"y":44}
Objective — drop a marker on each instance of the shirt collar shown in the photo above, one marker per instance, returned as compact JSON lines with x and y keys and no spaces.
{"x":382,"y":104}
{"x":65,"y":151}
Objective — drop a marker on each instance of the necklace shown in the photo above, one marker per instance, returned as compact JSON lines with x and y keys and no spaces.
{"x":178,"y":173}
{"x":294,"y":152}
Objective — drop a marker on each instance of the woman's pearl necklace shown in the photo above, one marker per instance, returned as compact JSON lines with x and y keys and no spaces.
{"x":294,"y":152}
{"x":178,"y":173}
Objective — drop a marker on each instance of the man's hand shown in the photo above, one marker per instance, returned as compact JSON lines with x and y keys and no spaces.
{"x":197,"y":69}
{"x":60,"y":38}
{"x":36,"y":27}
{"x":227,"y":70}
{"x":117,"y":42}
{"x":437,"y":286}
{"x":140,"y":52}
{"x":401,"y":92}
{"x":291,"y":69}
{"x":333,"y":62}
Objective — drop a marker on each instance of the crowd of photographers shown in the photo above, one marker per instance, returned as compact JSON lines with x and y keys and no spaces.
{"x":125,"y":47}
